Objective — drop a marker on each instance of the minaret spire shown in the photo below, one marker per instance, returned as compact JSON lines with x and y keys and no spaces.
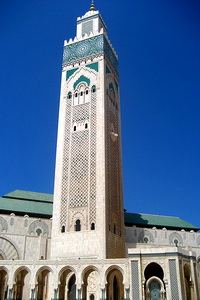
{"x":92,"y":7}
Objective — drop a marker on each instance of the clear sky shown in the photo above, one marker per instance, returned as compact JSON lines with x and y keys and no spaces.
{"x":158,"y":43}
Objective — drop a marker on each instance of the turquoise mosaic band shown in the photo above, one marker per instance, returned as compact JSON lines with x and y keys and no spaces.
{"x":91,"y":46}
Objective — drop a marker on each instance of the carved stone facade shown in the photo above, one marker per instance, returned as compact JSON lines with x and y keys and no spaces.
{"x":87,"y":251}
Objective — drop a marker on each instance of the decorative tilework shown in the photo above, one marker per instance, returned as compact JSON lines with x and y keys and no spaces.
{"x":88,"y":47}
{"x":79,"y":163}
{"x":82,"y":78}
{"x":135,"y":280}
{"x":110,"y":55}
{"x":70,"y":73}
{"x":94,"y":66}
{"x":83,"y":48}
{"x":173,"y":279}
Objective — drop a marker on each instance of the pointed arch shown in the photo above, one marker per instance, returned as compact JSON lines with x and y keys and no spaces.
{"x":8,"y":249}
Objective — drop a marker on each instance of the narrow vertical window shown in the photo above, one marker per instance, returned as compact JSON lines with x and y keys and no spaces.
{"x":74,"y":128}
{"x":93,"y":89}
{"x":69,"y":95}
{"x":86,"y":125}
{"x":93,"y":226}
{"x":114,"y":229}
{"x":63,"y":229}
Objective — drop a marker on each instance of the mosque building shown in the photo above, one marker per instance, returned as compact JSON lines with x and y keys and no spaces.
{"x":80,"y":243}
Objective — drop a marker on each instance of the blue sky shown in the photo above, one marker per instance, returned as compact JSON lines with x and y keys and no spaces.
{"x":158,"y":45}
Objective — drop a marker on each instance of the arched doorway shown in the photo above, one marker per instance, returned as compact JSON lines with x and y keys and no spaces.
{"x":21,"y":288}
{"x":115,"y":287}
{"x":67,"y":284}
{"x":90,"y":286}
{"x":44,"y":284}
{"x":3,"y":284}
{"x":154,"y":284}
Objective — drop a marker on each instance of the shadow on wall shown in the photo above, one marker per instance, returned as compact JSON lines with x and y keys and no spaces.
{"x":134,"y":232}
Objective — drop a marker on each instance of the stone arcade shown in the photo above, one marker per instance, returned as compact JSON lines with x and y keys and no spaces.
{"x":91,"y":249}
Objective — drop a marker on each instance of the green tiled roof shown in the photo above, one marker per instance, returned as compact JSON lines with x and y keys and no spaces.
{"x":23,"y":202}
{"x":41,"y":204}
{"x":145,"y":220}
{"x":19,"y":194}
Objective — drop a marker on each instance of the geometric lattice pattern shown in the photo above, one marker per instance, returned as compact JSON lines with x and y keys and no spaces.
{"x":93,"y":128}
{"x":79,"y":161}
{"x":173,"y":279}
{"x":135,"y":280}
{"x":91,"y":46}
{"x":83,"y":48}
{"x":65,"y":175}
{"x":78,"y":191}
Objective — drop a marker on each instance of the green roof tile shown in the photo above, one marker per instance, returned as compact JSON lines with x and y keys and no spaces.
{"x":25,"y":202}
{"x":26,"y":207}
{"x":157,"y":221}
{"x":20,"y":194}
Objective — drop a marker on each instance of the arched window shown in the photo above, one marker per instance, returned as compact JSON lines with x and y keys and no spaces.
{"x":78,"y":225}
{"x":38,"y":231}
{"x":63,"y":229}
{"x":154,"y":269}
{"x":176,"y":242}
{"x":93,"y":226}
{"x":91,"y":297}
{"x":93,"y":89}
{"x":69,"y":95}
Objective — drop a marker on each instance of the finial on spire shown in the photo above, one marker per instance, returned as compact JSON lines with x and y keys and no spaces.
{"x":92,"y":7}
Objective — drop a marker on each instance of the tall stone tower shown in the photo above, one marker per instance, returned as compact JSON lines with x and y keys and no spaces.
{"x":88,"y":216}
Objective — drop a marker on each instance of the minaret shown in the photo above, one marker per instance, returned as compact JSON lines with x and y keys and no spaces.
{"x":88,"y":212}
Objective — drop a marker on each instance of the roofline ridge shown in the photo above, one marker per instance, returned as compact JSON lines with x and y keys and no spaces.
{"x":153,"y":215}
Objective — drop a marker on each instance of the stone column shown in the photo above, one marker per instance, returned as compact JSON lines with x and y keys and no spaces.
{"x":126,"y":294}
{"x":193,"y":278}
{"x":55,"y":296}
{"x":10,"y":293}
{"x":78,"y":294}
{"x":102,"y":297}
{"x":32,"y":293}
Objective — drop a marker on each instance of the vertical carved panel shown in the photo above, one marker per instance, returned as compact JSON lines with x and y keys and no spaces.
{"x":135,"y":280}
{"x":173,"y":279}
